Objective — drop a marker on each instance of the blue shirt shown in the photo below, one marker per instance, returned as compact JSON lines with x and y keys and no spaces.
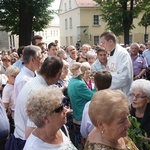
{"x":97,"y":66}
{"x":146,"y":54}
{"x":19,"y":63}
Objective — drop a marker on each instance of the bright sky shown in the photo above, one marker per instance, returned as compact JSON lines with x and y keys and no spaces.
{"x":55,"y":6}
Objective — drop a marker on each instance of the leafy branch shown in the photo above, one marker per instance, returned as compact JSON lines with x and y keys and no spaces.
{"x":137,"y":134}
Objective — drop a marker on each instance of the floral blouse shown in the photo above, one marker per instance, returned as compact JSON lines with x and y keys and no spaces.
{"x":98,"y":146}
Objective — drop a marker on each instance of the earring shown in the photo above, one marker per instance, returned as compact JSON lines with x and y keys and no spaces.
{"x":102,"y":131}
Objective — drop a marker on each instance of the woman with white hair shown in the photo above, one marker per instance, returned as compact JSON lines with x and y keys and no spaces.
{"x":91,"y":56}
{"x":86,"y":69}
{"x":8,"y":91}
{"x":46,"y":110}
{"x":140,"y":107}
{"x":79,"y":95}
{"x":8,"y":94}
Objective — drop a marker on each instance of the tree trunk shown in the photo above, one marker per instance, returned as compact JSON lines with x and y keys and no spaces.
{"x":25,"y":24}
{"x":126,"y":36}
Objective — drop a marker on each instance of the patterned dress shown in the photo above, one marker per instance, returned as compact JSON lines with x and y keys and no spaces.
{"x":98,"y":146}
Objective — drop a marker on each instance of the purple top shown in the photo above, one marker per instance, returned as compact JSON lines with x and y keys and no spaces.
{"x":139,"y":63}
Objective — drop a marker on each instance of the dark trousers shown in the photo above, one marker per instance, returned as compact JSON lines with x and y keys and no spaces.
{"x":2,"y":144}
{"x":14,"y":143}
{"x":79,"y":141}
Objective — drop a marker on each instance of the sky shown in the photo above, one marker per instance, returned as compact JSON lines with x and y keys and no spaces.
{"x":55,"y":6}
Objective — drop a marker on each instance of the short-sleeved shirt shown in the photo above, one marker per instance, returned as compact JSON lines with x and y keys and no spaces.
{"x":97,"y":66}
{"x":139,"y":63}
{"x":34,"y":143}
{"x":8,"y":95}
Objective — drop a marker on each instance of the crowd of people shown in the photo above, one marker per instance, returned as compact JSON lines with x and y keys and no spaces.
{"x":67,"y":98}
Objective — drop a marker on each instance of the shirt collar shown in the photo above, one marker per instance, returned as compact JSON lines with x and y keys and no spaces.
{"x":112,"y":52}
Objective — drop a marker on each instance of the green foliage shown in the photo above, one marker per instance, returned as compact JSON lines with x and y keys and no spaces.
{"x":8,"y":15}
{"x":136,"y":134}
{"x":38,"y":10}
{"x":145,"y":21}
{"x":119,"y":14}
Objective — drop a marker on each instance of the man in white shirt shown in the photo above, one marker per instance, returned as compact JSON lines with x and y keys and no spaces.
{"x":119,"y":63}
{"x":32,"y":61}
{"x":72,"y":52}
{"x":48,"y":74}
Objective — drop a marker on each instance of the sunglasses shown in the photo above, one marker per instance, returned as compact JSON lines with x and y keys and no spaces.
{"x":59,"y":109}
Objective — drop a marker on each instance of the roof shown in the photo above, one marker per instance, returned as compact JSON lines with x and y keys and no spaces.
{"x":86,"y":3}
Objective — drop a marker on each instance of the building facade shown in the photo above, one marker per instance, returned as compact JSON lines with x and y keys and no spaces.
{"x":8,"y":41}
{"x":80,"y":23}
{"x":50,"y":34}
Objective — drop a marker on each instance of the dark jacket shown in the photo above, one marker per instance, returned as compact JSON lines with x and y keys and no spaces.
{"x":145,"y":122}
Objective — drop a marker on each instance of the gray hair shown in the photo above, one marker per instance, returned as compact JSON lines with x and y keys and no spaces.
{"x":91,"y":53}
{"x":42,"y":103}
{"x":142,"y":84}
{"x":30,"y":51}
{"x":85,"y":66}
{"x":60,"y":52}
{"x":136,"y":44}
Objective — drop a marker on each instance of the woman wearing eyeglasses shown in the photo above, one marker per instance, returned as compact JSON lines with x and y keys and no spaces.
{"x":46,"y":110}
{"x":140,"y":107}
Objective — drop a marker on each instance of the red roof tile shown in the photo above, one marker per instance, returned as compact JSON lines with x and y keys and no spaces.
{"x":86,"y":3}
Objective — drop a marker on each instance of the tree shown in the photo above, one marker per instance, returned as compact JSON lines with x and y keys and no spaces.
{"x":119,"y":15}
{"x":145,"y":21}
{"x":22,"y":17}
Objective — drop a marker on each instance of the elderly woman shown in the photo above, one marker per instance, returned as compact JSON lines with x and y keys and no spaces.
{"x":79,"y":95}
{"x":86,"y":69}
{"x":140,"y":107}
{"x":8,"y":91}
{"x":46,"y":110}
{"x":109,"y":112}
{"x":91,"y":56}
{"x":8,"y":94}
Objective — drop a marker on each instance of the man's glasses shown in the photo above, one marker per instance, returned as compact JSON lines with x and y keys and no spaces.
{"x":59,"y":109}
{"x":137,"y":96}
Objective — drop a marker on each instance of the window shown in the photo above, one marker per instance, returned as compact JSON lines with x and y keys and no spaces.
{"x":65,"y":5}
{"x":96,"y":20}
{"x":69,"y":4}
{"x":46,"y":33}
{"x":96,"y":40}
{"x":71,"y":40}
{"x":70,"y":23}
{"x":130,"y":39}
{"x":146,"y":38}
{"x":66,"y":41}
{"x":56,"y":32}
{"x":66,"y":24}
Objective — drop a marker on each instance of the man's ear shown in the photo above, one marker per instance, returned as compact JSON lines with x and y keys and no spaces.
{"x":111,"y":42}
